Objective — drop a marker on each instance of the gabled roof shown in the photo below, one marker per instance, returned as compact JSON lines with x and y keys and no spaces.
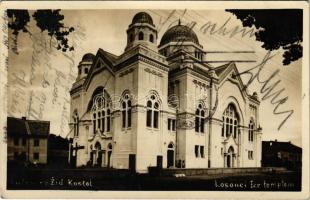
{"x":16,"y":126}
{"x":275,"y":146}
{"x":38,"y":127}
{"x":219,"y":70}
{"x":225,"y":70}
{"x":109,"y":56}
{"x":102,"y":56}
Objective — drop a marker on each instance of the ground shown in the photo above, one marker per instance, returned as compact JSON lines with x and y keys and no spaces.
{"x":107,"y":179}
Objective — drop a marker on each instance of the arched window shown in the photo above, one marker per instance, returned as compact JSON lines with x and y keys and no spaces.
{"x":102,"y":121}
{"x":156,"y":114}
{"x":108,"y":120}
{"x":126,"y":112}
{"x":200,"y":119}
{"x":129,"y":113}
{"x":124,"y":105}
{"x":130,"y":37}
{"x":141,"y":36}
{"x":223,"y":130}
{"x":230,"y":122}
{"x":99,"y":120}
{"x":76,"y":124}
{"x":94,"y":123}
{"x":251,"y":131}
{"x":86,"y":70}
{"x":151,"y":38}
{"x":149,"y":114}
{"x":152,"y":112}
{"x":101,"y":113}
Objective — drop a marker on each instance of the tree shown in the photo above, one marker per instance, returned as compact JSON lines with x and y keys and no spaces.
{"x":276,"y":28}
{"x":46,"y":20}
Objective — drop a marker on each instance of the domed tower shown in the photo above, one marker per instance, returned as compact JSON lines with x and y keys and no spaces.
{"x":84,"y":65}
{"x":181,"y":37}
{"x":142,"y":31}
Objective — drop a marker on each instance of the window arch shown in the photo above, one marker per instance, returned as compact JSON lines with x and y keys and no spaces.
{"x":102,"y":121}
{"x":98,"y":146}
{"x":141,"y":36}
{"x":171,"y":145}
{"x":251,"y":131}
{"x":230,"y":122}
{"x":76,"y":124}
{"x":126,"y":111}
{"x":130,"y":37}
{"x":200,"y":119}
{"x":152,"y":112}
{"x":101,"y":113}
{"x":108,"y":120}
{"x":151,"y":38}
{"x":110,"y":146}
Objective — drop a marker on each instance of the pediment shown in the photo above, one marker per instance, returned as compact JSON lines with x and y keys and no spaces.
{"x":100,"y":64}
{"x":231,"y":74}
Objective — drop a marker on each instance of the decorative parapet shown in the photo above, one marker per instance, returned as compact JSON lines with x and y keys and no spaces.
{"x":126,"y":72}
{"x":212,"y":74}
{"x":200,"y":84}
{"x":151,"y":54}
{"x":145,"y":52}
{"x":186,"y":121}
{"x":186,"y":65}
{"x":186,"y":124}
{"x":153,"y":72}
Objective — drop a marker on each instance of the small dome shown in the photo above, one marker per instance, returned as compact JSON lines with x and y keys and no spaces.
{"x":142,"y":17}
{"x":88,"y":57}
{"x":179,"y":33}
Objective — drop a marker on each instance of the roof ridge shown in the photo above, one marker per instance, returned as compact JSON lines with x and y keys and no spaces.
{"x":220,"y":69}
{"x":224,"y":65}
{"x":110,"y":56}
{"x":108,"y":52}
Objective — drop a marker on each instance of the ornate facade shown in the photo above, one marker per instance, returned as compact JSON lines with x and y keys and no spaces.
{"x":162,"y":105}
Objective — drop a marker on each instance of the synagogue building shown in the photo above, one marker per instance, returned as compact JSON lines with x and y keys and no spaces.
{"x":160,"y":104}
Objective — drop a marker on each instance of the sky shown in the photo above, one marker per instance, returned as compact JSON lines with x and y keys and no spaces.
{"x":40,"y":77}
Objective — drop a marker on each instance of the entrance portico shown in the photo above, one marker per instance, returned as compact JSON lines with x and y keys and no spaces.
{"x":230,"y":158}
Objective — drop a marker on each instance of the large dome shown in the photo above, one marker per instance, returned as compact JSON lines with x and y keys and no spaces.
{"x":179,"y":33}
{"x":142,"y":17}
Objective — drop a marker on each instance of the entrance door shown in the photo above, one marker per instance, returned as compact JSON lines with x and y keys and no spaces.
{"x":230,"y":157}
{"x":109,"y":155}
{"x":132,"y":162}
{"x":98,"y":154}
{"x":170,"y":158}
{"x":109,"y":158}
{"x":228,"y":161}
{"x":170,"y":155}
{"x":159,"y":162}
{"x":99,"y":159}
{"x":91,"y":158}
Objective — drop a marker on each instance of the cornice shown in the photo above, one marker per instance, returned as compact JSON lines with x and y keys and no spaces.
{"x":142,"y":53}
